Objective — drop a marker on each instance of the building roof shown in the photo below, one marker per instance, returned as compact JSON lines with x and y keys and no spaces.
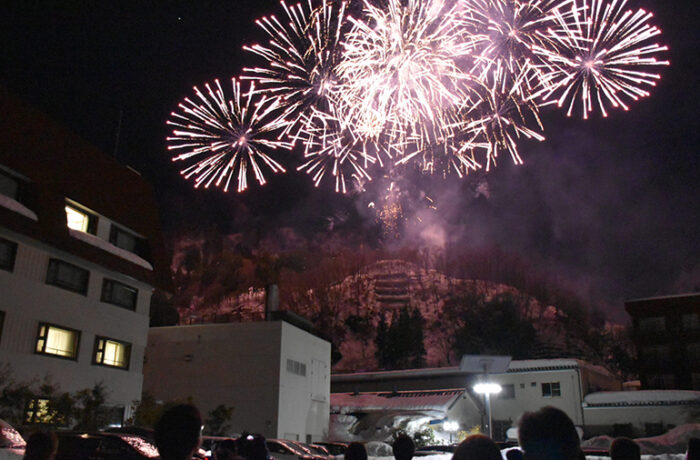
{"x":661,"y":305}
{"x":527,"y":365}
{"x":642,"y":398}
{"x":427,"y":400}
{"x":59,"y":165}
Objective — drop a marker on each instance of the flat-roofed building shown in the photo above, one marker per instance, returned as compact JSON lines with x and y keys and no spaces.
{"x":667,"y":337}
{"x":80,"y":254}
{"x":274,"y":374}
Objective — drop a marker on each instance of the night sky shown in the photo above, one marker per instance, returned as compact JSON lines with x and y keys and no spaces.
{"x":608,"y":205}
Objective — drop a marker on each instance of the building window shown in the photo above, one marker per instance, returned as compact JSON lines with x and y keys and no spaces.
{"x":81,"y":220}
{"x":507,"y":391}
{"x":295,"y":367}
{"x":8,"y":252}
{"x":652,"y":325}
{"x":551,"y":390}
{"x":655,"y":354}
{"x":37,"y":411}
{"x":693,"y":352}
{"x":695,"y":380}
{"x":691,"y":322}
{"x":112,"y":353}
{"x":662,"y":381}
{"x":67,"y":276}
{"x":119,"y":294}
{"x":128,"y":241}
{"x":12,"y":186}
{"x":57,"y":341}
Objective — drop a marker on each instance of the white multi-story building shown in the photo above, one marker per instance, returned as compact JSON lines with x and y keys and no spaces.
{"x":80,"y":254}
{"x":275,"y":375}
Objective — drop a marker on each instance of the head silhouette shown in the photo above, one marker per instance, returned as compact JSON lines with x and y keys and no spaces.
{"x":177,"y":432}
{"x":548,"y":434}
{"x":477,"y":447}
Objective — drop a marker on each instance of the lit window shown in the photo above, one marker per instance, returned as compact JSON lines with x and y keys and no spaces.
{"x":119,"y":294}
{"x":112,"y":353}
{"x":80,"y":220}
{"x":67,"y":276}
{"x":551,"y":390}
{"x":8,"y":251}
{"x":57,"y":341}
{"x":37,"y":411}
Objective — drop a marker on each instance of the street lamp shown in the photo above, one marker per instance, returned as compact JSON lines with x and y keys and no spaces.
{"x":450,"y":427}
{"x":487,"y":389}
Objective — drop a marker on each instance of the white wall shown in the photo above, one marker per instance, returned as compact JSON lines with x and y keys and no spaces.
{"x":244,"y":365}
{"x":27,"y":300}
{"x":304,"y":407}
{"x":529,"y":397}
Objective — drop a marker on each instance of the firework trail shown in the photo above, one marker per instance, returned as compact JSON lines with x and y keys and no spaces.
{"x":602,"y":58}
{"x":226,"y":138}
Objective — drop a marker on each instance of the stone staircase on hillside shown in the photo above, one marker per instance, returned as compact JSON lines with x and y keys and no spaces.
{"x":391,"y":290}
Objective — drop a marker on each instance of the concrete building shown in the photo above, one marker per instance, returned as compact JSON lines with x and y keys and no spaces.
{"x":80,"y":254}
{"x":527,"y":386}
{"x":667,"y":337}
{"x":275,"y":375}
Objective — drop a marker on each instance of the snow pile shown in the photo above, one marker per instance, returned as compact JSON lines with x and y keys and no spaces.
{"x":673,"y":442}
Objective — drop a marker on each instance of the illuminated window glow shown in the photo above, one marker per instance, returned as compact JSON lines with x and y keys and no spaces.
{"x":57,"y":341}
{"x":37,"y":411}
{"x":78,"y":220}
{"x":112,"y":353}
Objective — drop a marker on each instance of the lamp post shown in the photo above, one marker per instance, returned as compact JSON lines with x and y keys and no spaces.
{"x":487,"y":389}
{"x":450,"y":427}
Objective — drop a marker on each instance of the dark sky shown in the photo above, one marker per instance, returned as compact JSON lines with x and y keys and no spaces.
{"x":610,"y":206}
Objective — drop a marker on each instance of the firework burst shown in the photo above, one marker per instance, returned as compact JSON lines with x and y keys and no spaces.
{"x":601,"y":59}
{"x":444,"y":86}
{"x":226,"y":138}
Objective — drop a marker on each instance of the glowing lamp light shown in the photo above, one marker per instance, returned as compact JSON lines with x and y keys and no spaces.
{"x":450,"y":426}
{"x":487,"y":388}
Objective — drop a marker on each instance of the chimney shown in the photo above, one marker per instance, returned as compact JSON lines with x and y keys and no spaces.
{"x":272,"y":300}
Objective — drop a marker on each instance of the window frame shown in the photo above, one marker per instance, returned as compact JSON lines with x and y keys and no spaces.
{"x":10,"y":267}
{"x":56,"y":282}
{"x":96,"y":350}
{"x":91,"y":216}
{"x":43,"y":352}
{"x":20,"y":182}
{"x":104,"y":298}
{"x":552,"y":387}
{"x":140,"y":248}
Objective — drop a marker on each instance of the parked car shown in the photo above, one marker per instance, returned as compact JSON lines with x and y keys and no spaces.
{"x":333,"y":448}
{"x":208,"y":443}
{"x":317,"y":452}
{"x":77,"y":445}
{"x":11,"y":442}
{"x":282,"y":449}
